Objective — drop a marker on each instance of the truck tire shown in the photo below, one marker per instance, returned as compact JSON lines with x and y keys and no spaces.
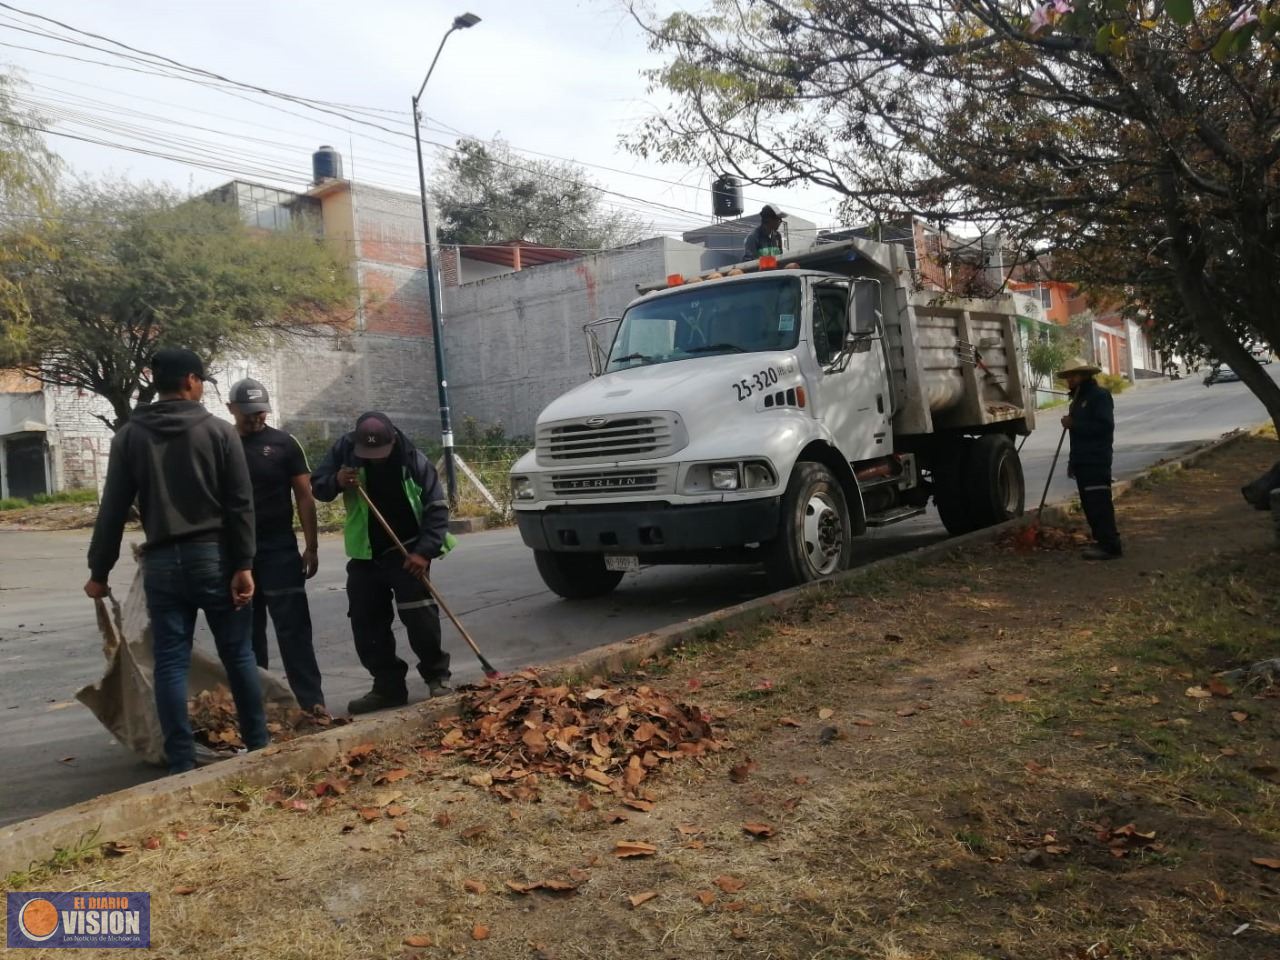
{"x":978,"y":483}
{"x":576,"y":576}
{"x":814,"y":538}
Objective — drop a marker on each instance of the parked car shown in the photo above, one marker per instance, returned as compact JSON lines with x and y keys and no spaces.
{"x":1220,"y":373}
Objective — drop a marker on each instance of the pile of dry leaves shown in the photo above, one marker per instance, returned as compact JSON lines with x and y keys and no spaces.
{"x":213,"y":720}
{"x":1044,"y":538}
{"x":610,"y":737}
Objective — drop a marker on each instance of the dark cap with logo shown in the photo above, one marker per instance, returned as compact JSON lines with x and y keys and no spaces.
{"x":250,"y":396}
{"x":174,"y":363}
{"x":374,"y":436}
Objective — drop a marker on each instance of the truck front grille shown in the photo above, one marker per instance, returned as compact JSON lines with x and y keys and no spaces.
{"x":602,"y":483}
{"x":599,"y":439}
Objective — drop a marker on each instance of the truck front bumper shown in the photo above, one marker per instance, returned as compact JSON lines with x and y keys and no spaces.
{"x":651,"y":528}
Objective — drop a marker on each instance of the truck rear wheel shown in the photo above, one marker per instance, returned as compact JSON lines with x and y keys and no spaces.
{"x":576,"y":576}
{"x":814,"y":539}
{"x":979,"y":483}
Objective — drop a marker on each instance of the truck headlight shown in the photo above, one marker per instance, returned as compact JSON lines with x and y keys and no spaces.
{"x":522,"y":489}
{"x":756,"y":475}
{"x":724,"y":477}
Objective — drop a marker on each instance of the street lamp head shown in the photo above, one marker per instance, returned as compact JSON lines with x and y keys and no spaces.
{"x":464,"y":20}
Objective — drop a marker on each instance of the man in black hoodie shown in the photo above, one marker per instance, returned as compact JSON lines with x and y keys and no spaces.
{"x":1092,"y":422}
{"x":403,"y":485}
{"x":187,"y":471}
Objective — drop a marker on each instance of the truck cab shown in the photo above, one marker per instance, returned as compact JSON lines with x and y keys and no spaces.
{"x":749,"y":418}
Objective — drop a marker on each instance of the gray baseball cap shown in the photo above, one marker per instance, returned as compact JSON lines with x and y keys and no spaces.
{"x":250,"y":396}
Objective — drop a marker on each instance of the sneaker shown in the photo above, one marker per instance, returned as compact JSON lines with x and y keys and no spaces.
{"x":438,"y":688}
{"x":376,"y":700}
{"x":1100,"y":553}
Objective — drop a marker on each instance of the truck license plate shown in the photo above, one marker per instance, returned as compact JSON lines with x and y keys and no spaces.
{"x":625,"y":564}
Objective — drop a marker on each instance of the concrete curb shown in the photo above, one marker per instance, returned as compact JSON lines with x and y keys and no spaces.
{"x":151,"y":804}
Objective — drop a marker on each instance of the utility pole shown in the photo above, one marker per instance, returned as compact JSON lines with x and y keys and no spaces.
{"x":460,"y":22}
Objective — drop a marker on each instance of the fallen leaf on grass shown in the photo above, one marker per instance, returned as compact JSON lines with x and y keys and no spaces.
{"x":688,"y":829}
{"x":520,"y":887}
{"x":472,"y":832}
{"x":729,"y":884}
{"x":479,"y":932}
{"x":483,"y":780}
{"x":633,"y":848}
{"x":584,"y":803}
{"x":644,"y":806}
{"x":740,"y":772}
{"x":615,"y":816}
{"x":906,"y":711}
{"x":559,"y":886}
{"x":473,"y":886}
{"x":705,"y":897}
{"x":1239,"y":716}
{"x":1013,"y":698}
{"x":391,"y":776}
{"x":758,"y":829}
{"x":639,"y":898}
{"x":864,"y":723}
{"x":441,"y":819}
{"x":182,"y":835}
{"x":1218,"y":688}
{"x":151,"y":843}
{"x":370,"y":814}
{"x":826,"y":713}
{"x":734,"y":906}
{"x":299,"y":806}
{"x":1267,"y":862}
{"x":1198,"y":693}
{"x":184,"y":891}
{"x":418,"y":940}
{"x":359,"y":753}
{"x":788,"y":722}
{"x":395,"y":810}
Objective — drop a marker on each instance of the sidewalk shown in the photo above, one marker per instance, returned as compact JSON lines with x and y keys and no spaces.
{"x":997,"y":755}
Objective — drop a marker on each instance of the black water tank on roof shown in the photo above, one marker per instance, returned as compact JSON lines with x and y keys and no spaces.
{"x":326,"y":164}
{"x":726,"y":196}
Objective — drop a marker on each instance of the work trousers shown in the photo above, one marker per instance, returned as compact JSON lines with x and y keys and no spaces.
{"x":372,"y":586}
{"x":180,"y":580}
{"x":1093,"y":481}
{"x":281,"y":591}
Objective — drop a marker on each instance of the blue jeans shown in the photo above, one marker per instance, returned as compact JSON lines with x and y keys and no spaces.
{"x":181,"y":579}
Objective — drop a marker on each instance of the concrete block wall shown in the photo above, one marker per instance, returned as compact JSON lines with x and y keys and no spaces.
{"x":79,"y":443}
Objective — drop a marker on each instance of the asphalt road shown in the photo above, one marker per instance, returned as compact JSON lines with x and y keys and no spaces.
{"x":55,"y":753}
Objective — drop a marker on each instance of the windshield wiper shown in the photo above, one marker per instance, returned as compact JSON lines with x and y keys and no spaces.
{"x":708,"y":347}
{"x":631,"y":356}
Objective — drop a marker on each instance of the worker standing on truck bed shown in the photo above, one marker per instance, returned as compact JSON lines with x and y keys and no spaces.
{"x":765,"y":240}
{"x":403,"y":485}
{"x":1092,"y":423}
{"x":280,"y":475}
{"x":187,"y":471}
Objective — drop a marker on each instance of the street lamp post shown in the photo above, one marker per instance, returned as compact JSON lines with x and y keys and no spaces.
{"x":460,"y":22}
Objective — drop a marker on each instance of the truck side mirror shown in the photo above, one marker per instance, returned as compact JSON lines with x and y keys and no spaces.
{"x":600,"y":342}
{"x":864,"y":308}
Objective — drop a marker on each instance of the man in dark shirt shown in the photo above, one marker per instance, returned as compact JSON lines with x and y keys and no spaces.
{"x":280,"y":474}
{"x":406,"y":490}
{"x":1092,"y":423}
{"x":766,"y":239}
{"x":187,"y":471}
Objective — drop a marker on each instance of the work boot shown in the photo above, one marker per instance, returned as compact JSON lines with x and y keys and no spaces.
{"x":1096,"y":552}
{"x":438,"y":688}
{"x":376,"y":700}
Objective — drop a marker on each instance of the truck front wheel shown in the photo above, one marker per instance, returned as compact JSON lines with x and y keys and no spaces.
{"x":814,"y":539}
{"x":576,"y":576}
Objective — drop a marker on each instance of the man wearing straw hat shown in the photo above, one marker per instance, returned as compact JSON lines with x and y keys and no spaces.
{"x":1092,"y":424}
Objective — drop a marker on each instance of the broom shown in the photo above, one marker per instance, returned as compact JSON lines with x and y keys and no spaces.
{"x":485,"y":665}
{"x":1028,"y":536}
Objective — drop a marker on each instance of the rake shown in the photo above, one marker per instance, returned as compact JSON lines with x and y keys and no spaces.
{"x":1028,"y":536}
{"x":485,"y":665}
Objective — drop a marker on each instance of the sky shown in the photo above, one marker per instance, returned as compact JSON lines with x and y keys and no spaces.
{"x":561,"y":78}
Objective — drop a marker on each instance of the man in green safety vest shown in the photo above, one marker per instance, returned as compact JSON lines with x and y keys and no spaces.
{"x":405,"y":488}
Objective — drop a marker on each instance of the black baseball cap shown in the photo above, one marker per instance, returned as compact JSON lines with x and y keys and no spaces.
{"x":175,"y":362}
{"x":250,"y":396}
{"x":374,"y":436}
{"x":769,"y":210}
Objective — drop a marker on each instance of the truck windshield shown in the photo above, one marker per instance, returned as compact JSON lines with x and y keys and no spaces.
{"x":747,"y":317}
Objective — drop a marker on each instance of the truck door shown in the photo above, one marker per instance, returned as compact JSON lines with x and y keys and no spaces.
{"x":853,"y":395}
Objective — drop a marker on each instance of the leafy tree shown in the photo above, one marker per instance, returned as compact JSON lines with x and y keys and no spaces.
{"x":489,"y":194}
{"x":124,"y":269}
{"x":1141,"y":148}
{"x":1047,"y":357}
{"x":28,"y":174}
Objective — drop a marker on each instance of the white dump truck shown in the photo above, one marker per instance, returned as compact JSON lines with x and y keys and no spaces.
{"x":774,"y":415}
